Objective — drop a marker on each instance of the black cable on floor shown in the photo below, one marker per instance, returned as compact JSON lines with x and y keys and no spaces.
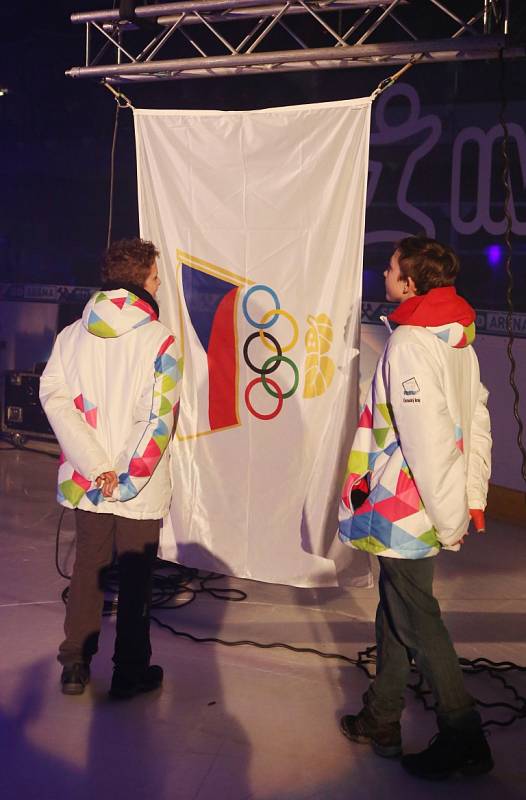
{"x":173,"y":587}
{"x":493,"y":670}
{"x":362,"y":661}
{"x":183,"y":576}
{"x":57,"y":547}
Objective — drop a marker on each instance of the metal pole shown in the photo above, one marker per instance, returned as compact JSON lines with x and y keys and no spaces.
{"x":404,"y":27}
{"x":378,"y":22}
{"x":486,"y":16}
{"x":357,"y":24}
{"x":216,"y":33}
{"x":294,"y":35}
{"x":117,"y":44}
{"x":87,"y":53}
{"x":453,"y":16}
{"x":481,"y":47}
{"x":323,"y":23}
{"x":233,"y":13}
{"x":306,"y":66}
{"x":248,"y":37}
{"x":176,"y":9}
{"x":167,"y":35}
{"x":467,"y":25}
{"x":274,"y":21}
{"x":193,"y":43}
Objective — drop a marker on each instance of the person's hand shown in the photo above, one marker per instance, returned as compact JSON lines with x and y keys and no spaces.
{"x":108,"y":482}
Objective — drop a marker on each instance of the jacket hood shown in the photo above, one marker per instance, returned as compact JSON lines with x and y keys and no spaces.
{"x":443,"y":312}
{"x":113,"y":313}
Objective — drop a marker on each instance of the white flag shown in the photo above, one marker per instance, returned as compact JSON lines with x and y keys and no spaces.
{"x":259,"y":217}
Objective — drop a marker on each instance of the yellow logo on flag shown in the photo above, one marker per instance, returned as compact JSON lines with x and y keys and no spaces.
{"x":319,"y":368}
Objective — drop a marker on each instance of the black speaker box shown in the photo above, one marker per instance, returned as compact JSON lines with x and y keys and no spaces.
{"x":22,"y":412}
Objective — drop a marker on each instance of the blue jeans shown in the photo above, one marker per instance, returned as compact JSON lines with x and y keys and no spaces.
{"x":409,"y":627}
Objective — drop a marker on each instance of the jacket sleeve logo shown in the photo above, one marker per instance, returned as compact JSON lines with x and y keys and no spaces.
{"x":411,"y":387}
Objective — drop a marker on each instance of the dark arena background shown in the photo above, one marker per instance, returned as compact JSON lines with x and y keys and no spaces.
{"x":256,"y":675}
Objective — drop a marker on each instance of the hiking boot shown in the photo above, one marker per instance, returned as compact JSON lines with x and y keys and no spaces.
{"x":384,"y":737}
{"x":125,"y":685}
{"x":450,"y":751}
{"x":74,"y":678}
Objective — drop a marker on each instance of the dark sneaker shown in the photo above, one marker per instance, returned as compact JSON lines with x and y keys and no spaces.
{"x":125,"y":685}
{"x":451,"y":751}
{"x":74,"y":678}
{"x":385,"y":738}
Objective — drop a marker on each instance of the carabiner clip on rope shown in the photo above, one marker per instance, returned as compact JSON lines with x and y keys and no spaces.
{"x":387,"y":82}
{"x":120,"y":98}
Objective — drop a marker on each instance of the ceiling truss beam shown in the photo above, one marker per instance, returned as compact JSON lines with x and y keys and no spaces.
{"x":235,"y":37}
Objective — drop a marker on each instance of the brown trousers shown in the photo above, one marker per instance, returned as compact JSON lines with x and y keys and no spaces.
{"x":136,"y":543}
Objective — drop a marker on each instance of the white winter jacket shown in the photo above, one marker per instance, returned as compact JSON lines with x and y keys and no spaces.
{"x":111,"y":390}
{"x":421,"y":455}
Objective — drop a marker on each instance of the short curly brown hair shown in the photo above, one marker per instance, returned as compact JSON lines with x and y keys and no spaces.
{"x":429,"y":263}
{"x":128,"y":261}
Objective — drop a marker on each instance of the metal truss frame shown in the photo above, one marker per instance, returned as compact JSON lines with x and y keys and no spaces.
{"x":207,"y":38}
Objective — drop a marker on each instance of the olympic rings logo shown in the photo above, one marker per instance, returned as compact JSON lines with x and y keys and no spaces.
{"x":271,"y":364}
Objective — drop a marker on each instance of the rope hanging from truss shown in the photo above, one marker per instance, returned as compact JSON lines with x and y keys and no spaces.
{"x":388,"y":82}
{"x":120,"y":98}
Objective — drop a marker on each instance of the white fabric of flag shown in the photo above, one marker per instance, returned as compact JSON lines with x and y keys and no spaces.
{"x":259,"y":217}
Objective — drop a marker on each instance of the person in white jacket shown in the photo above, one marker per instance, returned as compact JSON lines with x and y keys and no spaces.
{"x":110,"y":391}
{"x":418,"y":470}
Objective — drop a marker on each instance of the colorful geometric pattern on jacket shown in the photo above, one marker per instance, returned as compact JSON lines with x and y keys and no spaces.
{"x":76,"y":485}
{"x":455,"y":334}
{"x":459,"y":438}
{"x":391,"y":520}
{"x":89,"y":410}
{"x":148,"y":453}
{"x":73,"y":489}
{"x":98,"y":324}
